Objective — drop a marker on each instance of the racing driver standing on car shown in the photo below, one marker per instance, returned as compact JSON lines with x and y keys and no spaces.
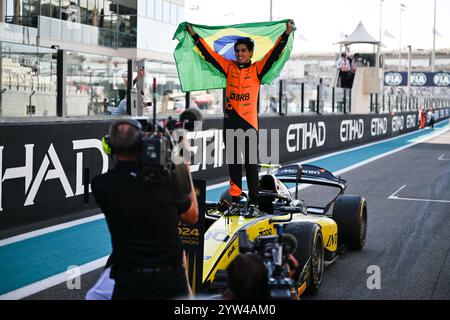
{"x":241,"y":112}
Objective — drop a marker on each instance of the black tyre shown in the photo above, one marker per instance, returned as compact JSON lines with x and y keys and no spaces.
{"x":350,"y":214}
{"x":189,"y":116}
{"x":309,"y":253}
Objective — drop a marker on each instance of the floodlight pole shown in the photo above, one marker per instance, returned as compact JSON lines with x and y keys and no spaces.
{"x":433,"y":55}
{"x":271,"y":16}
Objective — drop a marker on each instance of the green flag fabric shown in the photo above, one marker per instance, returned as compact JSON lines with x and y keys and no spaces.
{"x":197,"y":74}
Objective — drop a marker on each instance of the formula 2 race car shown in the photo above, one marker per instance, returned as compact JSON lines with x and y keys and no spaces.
{"x":321,"y":236}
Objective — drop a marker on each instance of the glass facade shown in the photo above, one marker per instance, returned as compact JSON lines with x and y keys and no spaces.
{"x":95,"y":84}
{"x":170,"y":100}
{"x":268,"y":97}
{"x":161,"y":10}
{"x":116,"y":20}
{"x":17,"y":34}
{"x":105,"y":22}
{"x":27,"y":81}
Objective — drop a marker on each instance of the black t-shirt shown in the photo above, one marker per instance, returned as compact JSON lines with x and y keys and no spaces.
{"x":142,"y":218}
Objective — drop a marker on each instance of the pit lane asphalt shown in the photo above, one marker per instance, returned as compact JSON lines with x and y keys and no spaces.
{"x":409,"y":240}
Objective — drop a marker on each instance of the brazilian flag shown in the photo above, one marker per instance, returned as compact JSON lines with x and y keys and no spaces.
{"x":197,"y":74}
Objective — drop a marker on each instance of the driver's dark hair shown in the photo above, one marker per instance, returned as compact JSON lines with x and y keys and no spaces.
{"x":247,"y":278}
{"x":248,"y":42}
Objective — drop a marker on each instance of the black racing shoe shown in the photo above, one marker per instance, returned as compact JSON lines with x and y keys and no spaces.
{"x":223,"y":206}
{"x":253,"y":211}
{"x":234,"y":209}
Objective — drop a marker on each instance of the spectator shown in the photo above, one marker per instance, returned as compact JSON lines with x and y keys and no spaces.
{"x":272,"y":107}
{"x":343,"y":65}
{"x":121,"y":108}
{"x":422,"y":117}
{"x":432,"y":118}
{"x":356,"y":62}
{"x":139,"y":82}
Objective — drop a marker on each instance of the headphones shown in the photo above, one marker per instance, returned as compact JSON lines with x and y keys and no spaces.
{"x":106,"y":140}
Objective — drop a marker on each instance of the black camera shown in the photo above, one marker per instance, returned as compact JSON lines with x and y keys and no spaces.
{"x":157,"y":146}
{"x":275,"y":251}
{"x":155,"y":158}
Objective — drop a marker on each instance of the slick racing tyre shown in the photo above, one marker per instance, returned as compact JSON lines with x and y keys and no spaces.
{"x":189,"y":116}
{"x":350,"y":214}
{"x":309,"y":254}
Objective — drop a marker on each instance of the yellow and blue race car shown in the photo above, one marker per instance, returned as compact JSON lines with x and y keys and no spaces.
{"x":321,"y":234}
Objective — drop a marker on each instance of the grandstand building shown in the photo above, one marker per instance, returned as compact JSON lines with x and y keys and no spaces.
{"x":98,"y":39}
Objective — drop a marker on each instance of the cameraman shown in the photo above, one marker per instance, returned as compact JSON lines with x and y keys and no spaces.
{"x":247,"y":278}
{"x":142,"y":219}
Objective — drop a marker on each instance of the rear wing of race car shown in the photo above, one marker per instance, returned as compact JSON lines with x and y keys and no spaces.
{"x":314,"y":175}
{"x":310,"y":174}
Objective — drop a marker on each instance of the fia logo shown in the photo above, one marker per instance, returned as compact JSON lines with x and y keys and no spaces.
{"x":418,"y":79}
{"x":442,"y":79}
{"x":393,"y":78}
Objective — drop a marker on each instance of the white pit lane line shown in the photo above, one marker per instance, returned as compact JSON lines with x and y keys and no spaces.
{"x":441,"y":157}
{"x":395,"y":197}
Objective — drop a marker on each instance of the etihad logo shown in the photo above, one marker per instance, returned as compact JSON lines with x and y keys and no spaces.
{"x":351,"y":130}
{"x":398,"y":123}
{"x":411,"y":121}
{"x":378,"y":126}
{"x":50,"y":168}
{"x":302,"y":136}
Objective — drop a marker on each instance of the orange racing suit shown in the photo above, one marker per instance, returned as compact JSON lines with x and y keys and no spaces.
{"x":241,"y":108}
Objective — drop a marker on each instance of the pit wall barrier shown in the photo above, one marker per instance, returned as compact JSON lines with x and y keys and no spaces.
{"x":44,"y":167}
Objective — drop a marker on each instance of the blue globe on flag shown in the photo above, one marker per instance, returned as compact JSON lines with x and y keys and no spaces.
{"x":225,"y":46}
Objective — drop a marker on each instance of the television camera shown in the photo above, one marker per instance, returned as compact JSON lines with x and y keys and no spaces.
{"x":159,"y":142}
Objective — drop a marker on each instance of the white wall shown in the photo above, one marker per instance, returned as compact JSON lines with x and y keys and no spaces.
{"x":14,"y":103}
{"x":155,"y":35}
